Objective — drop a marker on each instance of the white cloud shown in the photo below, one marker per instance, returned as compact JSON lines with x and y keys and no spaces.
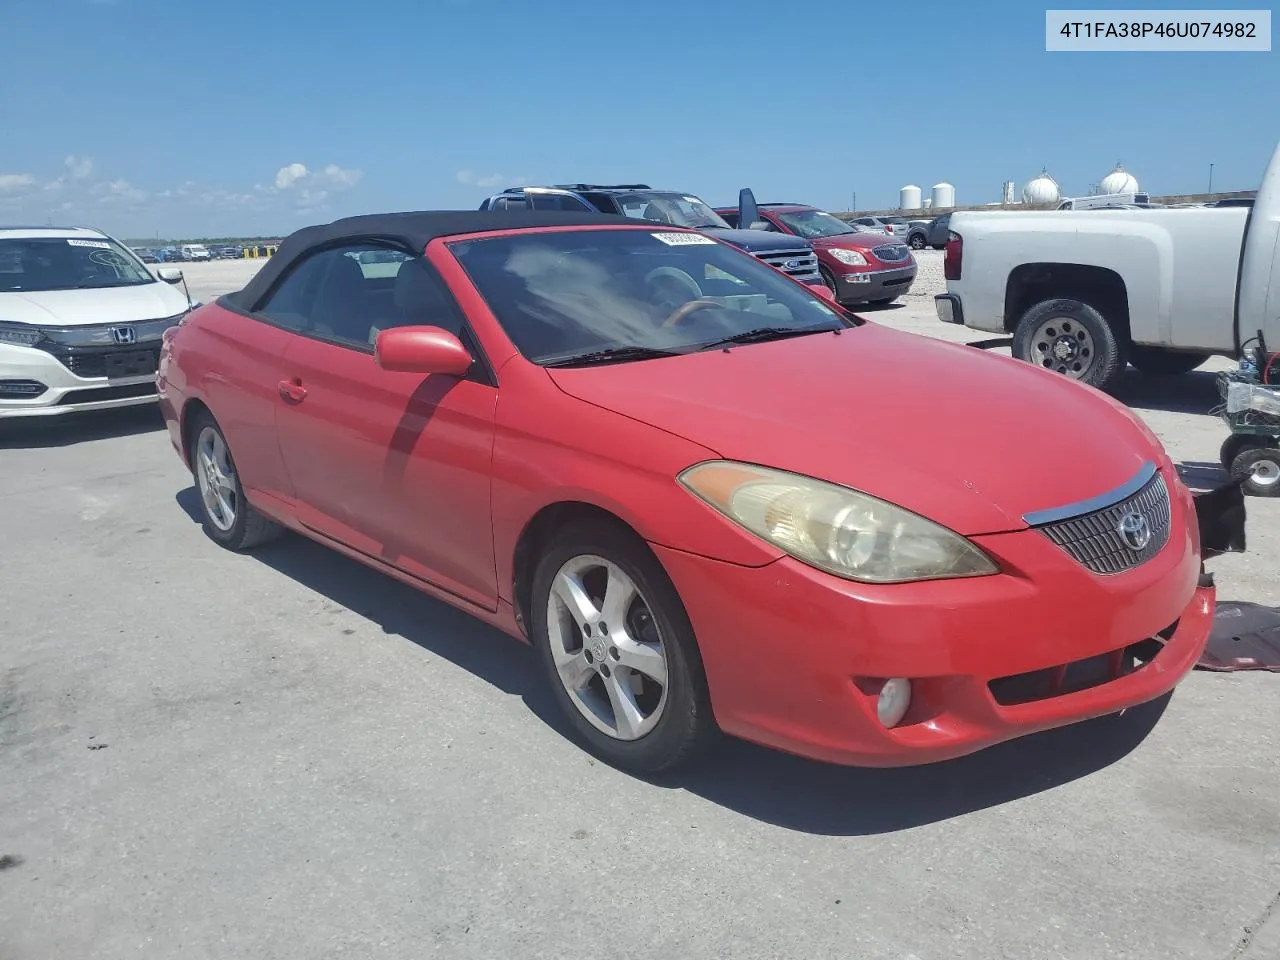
{"x":119,"y":191}
{"x":487,"y":180}
{"x":79,"y":168}
{"x":340,"y":177}
{"x":288,"y":175}
{"x":16,"y":182}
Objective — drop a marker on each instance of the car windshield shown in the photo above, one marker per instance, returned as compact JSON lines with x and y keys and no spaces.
{"x":816,"y":223}
{"x":677,"y":209}
{"x":67,"y":263}
{"x":630,"y":294}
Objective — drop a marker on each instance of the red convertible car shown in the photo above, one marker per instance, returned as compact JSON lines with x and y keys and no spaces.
{"x":712,"y":499}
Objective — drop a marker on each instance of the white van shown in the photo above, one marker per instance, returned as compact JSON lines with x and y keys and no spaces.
{"x":195,"y":251}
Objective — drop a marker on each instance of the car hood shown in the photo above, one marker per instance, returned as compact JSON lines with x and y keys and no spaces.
{"x":74,"y":308}
{"x":971,"y":440}
{"x":756,"y":241}
{"x":851,"y":241}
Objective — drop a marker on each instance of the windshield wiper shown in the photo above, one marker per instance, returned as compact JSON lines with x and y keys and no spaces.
{"x":612,"y":355}
{"x":763,"y":334}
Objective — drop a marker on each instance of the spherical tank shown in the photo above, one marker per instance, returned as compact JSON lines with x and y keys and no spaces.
{"x":909,"y":197}
{"x":944,"y":196}
{"x":1043,"y":189}
{"x":1118,"y":181}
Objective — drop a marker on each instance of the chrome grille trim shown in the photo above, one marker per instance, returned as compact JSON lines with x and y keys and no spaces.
{"x":1039,"y":518}
{"x":806,"y":262}
{"x":892,"y":252}
{"x":1093,"y":539}
{"x":99,"y":334}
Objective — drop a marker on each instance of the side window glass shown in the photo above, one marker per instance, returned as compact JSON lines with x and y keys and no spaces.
{"x":290,"y":304}
{"x":345,"y":294}
{"x":420,"y":299}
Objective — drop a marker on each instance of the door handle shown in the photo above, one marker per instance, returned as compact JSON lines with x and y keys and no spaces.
{"x":293,"y":390}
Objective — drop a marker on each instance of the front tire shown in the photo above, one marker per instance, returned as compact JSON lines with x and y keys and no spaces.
{"x":1071,"y":338}
{"x":619,"y":650}
{"x":916,"y":241}
{"x":1259,"y":469}
{"x":1158,"y":362}
{"x":226,"y":513}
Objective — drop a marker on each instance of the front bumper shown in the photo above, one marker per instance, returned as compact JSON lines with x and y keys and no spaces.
{"x":34,"y":383}
{"x":887,"y":284}
{"x":794,"y":657}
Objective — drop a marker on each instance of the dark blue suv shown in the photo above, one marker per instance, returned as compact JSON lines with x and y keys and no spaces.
{"x":792,"y":255}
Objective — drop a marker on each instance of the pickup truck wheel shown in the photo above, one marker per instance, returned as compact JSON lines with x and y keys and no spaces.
{"x":916,"y":241}
{"x":1158,"y":362}
{"x":1259,"y":469}
{"x":1072,"y":338}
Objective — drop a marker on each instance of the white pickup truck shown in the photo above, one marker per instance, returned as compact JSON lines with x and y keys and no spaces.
{"x":1084,"y":292}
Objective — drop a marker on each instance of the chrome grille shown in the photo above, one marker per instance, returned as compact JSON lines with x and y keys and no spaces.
{"x":801,"y":264}
{"x":892,"y":252}
{"x":1094,"y":539}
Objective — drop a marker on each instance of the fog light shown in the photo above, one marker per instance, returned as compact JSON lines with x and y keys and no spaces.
{"x":895,"y":698}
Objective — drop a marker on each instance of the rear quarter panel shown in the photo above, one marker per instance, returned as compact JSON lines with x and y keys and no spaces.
{"x":1179,"y":267}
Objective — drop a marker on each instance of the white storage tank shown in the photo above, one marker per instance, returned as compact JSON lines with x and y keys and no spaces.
{"x":909,"y":197}
{"x":944,"y":196}
{"x":1118,"y":181}
{"x":1043,"y":189}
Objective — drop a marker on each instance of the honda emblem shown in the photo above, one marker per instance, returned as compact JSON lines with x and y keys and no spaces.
{"x":123,"y":335}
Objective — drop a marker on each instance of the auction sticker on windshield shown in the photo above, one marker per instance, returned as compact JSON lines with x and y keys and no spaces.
{"x":681,"y":239}
{"x":99,"y":244}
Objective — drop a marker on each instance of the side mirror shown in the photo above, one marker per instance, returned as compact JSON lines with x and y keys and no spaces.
{"x":169,"y":274}
{"x":822,"y":290}
{"x":421,"y":350}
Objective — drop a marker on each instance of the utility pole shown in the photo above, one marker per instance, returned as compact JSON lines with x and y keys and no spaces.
{"x":1211,"y":178}
{"x":853,"y":203}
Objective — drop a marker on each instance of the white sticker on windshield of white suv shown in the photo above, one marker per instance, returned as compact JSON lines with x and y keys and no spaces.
{"x":681,"y":239}
{"x":100,"y":244}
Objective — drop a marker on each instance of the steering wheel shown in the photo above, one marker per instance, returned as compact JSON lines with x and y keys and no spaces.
{"x":681,"y":312}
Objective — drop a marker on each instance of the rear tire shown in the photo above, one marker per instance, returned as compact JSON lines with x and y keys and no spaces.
{"x":228,"y":517}
{"x":1259,"y":469}
{"x":1071,"y":338}
{"x":1159,"y":362}
{"x":612,"y":711}
{"x":916,"y":241}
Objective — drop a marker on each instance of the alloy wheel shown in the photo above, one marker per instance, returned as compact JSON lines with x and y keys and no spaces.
{"x":607,"y":647}
{"x":216,"y":478}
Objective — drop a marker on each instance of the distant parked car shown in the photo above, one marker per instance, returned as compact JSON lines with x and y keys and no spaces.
{"x":858,"y":265}
{"x":932,"y":233}
{"x":195,"y":251}
{"x":227,"y":252}
{"x":893,"y":226}
{"x":145,"y":254}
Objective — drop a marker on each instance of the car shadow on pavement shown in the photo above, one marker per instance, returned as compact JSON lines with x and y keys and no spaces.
{"x":1195,"y":392}
{"x":754,"y":781}
{"x":70,"y":429}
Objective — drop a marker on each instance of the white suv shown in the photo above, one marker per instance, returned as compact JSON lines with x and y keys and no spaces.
{"x":81,"y":318}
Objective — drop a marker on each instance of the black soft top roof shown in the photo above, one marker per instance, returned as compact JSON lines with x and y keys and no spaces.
{"x":413,"y":230}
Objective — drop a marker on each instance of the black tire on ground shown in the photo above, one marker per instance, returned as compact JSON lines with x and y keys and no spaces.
{"x":1158,"y":362}
{"x":883,"y":303}
{"x":830,"y":281}
{"x":917,"y":241}
{"x":1236,"y":444}
{"x":1075,"y":325}
{"x":250,"y":528}
{"x":939,"y":246}
{"x":1259,"y":468}
{"x":687,"y":727}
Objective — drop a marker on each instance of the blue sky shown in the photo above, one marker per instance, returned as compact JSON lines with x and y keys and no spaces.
{"x":250,"y":116}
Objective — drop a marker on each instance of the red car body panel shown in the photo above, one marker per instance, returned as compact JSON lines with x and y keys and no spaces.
{"x":434,"y":480}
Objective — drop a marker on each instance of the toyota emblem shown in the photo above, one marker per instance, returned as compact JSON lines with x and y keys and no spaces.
{"x":1134,"y":530}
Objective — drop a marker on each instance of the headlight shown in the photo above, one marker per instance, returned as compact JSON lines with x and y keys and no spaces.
{"x":19,"y":334}
{"x":844,"y":532}
{"x":851,"y":257}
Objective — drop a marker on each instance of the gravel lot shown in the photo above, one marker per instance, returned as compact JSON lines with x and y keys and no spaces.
{"x":288,"y":756}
